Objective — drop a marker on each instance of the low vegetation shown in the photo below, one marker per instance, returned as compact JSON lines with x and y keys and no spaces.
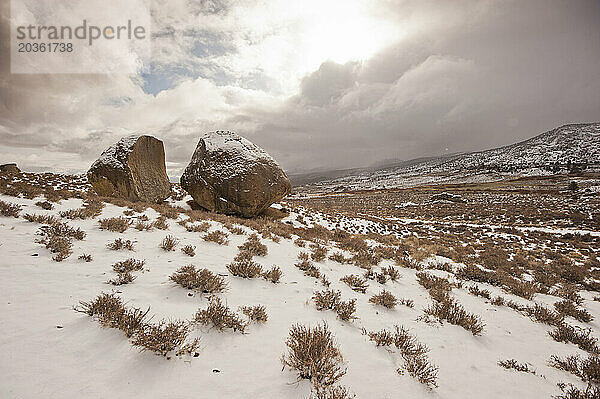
{"x":202,"y":280}
{"x":219,"y":316}
{"x":118,"y":224}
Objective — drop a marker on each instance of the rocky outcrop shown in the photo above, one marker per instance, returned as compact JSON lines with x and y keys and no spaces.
{"x":134,"y":169}
{"x":229,"y":174}
{"x":9,"y":168}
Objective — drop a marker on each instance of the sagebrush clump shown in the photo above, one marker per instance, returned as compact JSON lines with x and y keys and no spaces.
{"x":220,"y":316}
{"x":202,"y":280}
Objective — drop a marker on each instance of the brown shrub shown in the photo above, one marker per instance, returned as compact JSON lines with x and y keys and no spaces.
{"x":160,"y":223}
{"x":119,"y":224}
{"x":392,"y":272}
{"x":141,"y":226}
{"x":475,"y":290}
{"x":202,"y":280}
{"x":119,"y":244}
{"x":319,"y":253}
{"x":245,"y":268}
{"x":45,"y":205}
{"x":189,"y":250}
{"x":163,"y":337}
{"x":220,"y":316}
{"x":217,"y":236}
{"x":326,"y":299}
{"x":581,"y":337}
{"x":255,"y":313}
{"x":414,"y":354}
{"x":9,"y":210}
{"x":512,"y":364}
{"x":169,"y":243}
{"x":568,"y":308}
{"x":339,"y":258}
{"x":253,"y":246}
{"x":346,"y":309}
{"x":85,"y":257}
{"x":357,"y":283}
{"x":90,"y":209}
{"x":122,"y":278}
{"x":42,"y":219}
{"x":570,"y":391}
{"x":447,"y":308}
{"x":308,"y":268}
{"x":273,"y":274}
{"x":313,"y":353}
{"x":385,"y":299}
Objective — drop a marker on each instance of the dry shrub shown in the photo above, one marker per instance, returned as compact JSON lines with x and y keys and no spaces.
{"x":392,"y":272}
{"x":255,"y":313}
{"x":319,"y":253}
{"x":438,"y":287}
{"x":406,"y":302}
{"x":308,"y":268}
{"x":544,"y":315}
{"x":217,"y":236}
{"x":346,"y":309}
{"x":512,"y":364}
{"x":119,"y":244}
{"x":339,"y":258}
{"x":331,"y":392}
{"x":122,"y":278}
{"x":163,"y":337}
{"x":312,"y":352}
{"x":189,"y":250}
{"x":326,"y":299}
{"x":42,"y":219}
{"x":569,"y":292}
{"x":381,"y":278}
{"x":169,"y":243}
{"x":447,"y":308}
{"x":587,"y":369}
{"x":160,"y":223}
{"x":568,"y":308}
{"x":273,"y":275}
{"x":385,"y":299}
{"x":197,"y":228}
{"x":253,"y":246}
{"x":45,"y":205}
{"x":9,"y":209}
{"x":57,"y":237}
{"x":581,"y":337}
{"x":202,"y":280}
{"x":129,"y":265}
{"x":160,"y":338}
{"x":220,"y":316}
{"x":475,"y":290}
{"x":90,"y":209}
{"x":245,"y":268}
{"x":142,"y":226}
{"x":414,"y":354}
{"x":357,"y":283}
{"x":85,"y":257}
{"x":570,"y":391}
{"x":119,"y":224}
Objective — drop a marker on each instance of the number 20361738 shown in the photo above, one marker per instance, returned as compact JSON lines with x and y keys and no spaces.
{"x":45,"y":47}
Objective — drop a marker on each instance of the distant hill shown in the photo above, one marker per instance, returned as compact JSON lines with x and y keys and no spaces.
{"x":567,"y":149}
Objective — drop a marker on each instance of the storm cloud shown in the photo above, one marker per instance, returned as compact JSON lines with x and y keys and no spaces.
{"x":409,"y":79}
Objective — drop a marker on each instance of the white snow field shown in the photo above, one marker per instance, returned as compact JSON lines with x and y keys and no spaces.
{"x":51,"y":351}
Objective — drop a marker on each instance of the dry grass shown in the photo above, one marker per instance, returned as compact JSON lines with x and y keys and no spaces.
{"x":129,"y":265}
{"x":202,"y":280}
{"x":447,"y":308}
{"x":42,"y":219}
{"x":46,"y":205}
{"x":570,"y":391}
{"x":414,"y":354}
{"x":255,"y":313}
{"x":326,"y":299}
{"x":357,"y":283}
{"x":245,"y":268}
{"x":122,"y":279}
{"x":160,"y":338}
{"x":313,"y":353}
{"x":142,"y":226}
{"x":119,"y":244}
{"x":385,"y":299}
{"x":587,"y":369}
{"x":9,"y":210}
{"x":273,"y":275}
{"x":169,"y":243}
{"x":217,"y":236}
{"x":91,"y":208}
{"x":197,"y":228}
{"x":85,"y":257}
{"x":308,"y":268}
{"x":331,"y":392}
{"x":319,"y":253}
{"x":160,"y":223}
{"x":581,"y":337}
{"x":391,"y":272}
{"x":118,"y":224}
{"x":253,"y":246}
{"x":57,"y":237}
{"x":220,"y":316}
{"x":512,"y":364}
{"x":475,"y":290}
{"x":568,"y":308}
{"x":189,"y":250}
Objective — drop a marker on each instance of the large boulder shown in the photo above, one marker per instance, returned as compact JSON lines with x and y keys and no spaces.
{"x":134,"y":169}
{"x":229,"y":174}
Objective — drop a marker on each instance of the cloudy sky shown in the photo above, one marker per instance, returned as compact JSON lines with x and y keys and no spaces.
{"x":319,"y":84}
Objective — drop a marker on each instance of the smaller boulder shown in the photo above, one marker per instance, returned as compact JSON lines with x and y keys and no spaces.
{"x":134,"y":169}
{"x":9,"y":168}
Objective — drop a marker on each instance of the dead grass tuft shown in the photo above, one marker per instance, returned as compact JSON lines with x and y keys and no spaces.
{"x":119,"y":244}
{"x":119,"y":224}
{"x":313,"y":353}
{"x":9,"y":209}
{"x":189,"y":250}
{"x":255,"y":313}
{"x":85,"y":257}
{"x":385,"y":299}
{"x":202,"y":280}
{"x":512,"y":364}
{"x":220,"y":316}
{"x":273,"y":275}
{"x":357,"y":283}
{"x":217,"y":236}
{"x":568,"y":308}
{"x":447,"y":308}
{"x":587,"y":369}
{"x":245,"y":268}
{"x":169,"y":243}
{"x":576,"y":335}
{"x":253,"y":246}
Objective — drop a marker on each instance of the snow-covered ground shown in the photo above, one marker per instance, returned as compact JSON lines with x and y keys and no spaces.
{"x":51,"y":351}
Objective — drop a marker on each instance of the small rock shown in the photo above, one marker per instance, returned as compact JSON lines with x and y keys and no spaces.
{"x":196,"y":354}
{"x":190,"y":294}
{"x":59,"y":326}
{"x":35,"y":254}
{"x":216,"y":371}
